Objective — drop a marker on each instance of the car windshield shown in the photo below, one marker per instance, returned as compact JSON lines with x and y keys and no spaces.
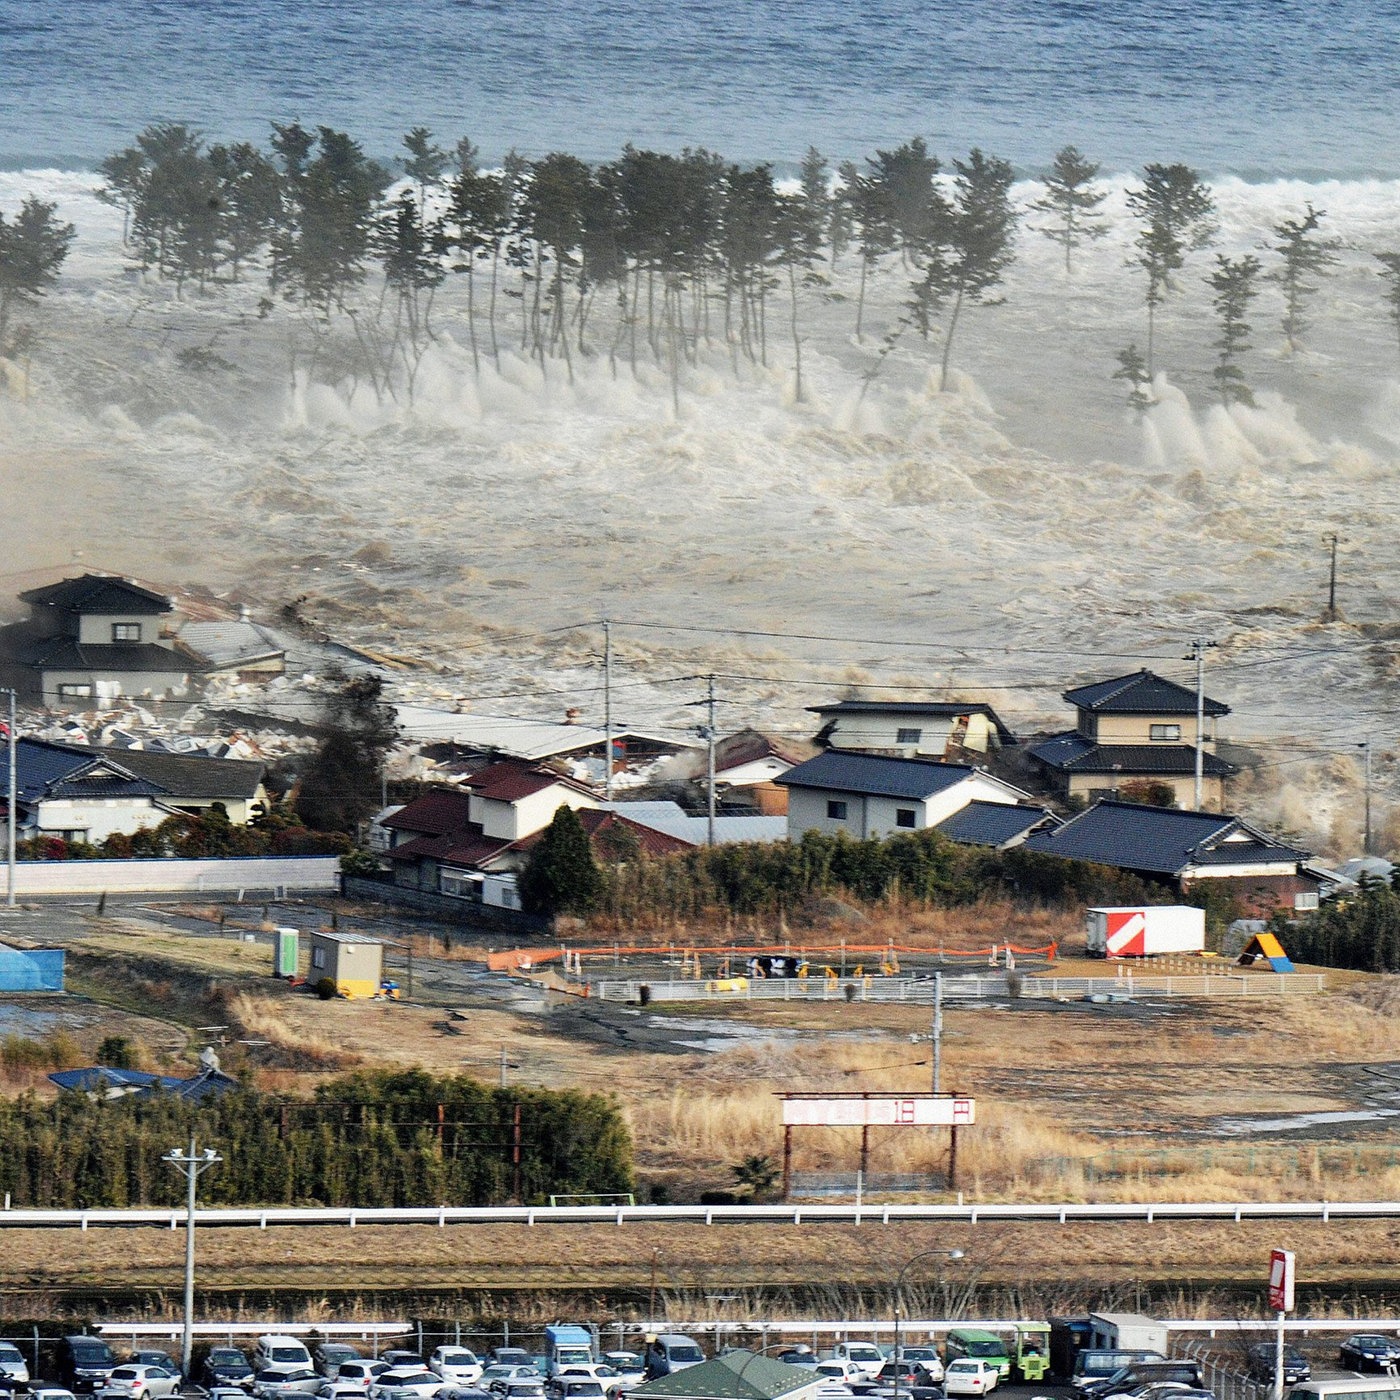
{"x":1370,"y":1341}
{"x":686,"y":1354}
{"x":963,"y":1366}
{"x":457,"y":1358}
{"x":987,"y":1348}
{"x":288,"y":1353}
{"x":228,"y":1356}
{"x":9,"y":1353}
{"x":92,"y":1354}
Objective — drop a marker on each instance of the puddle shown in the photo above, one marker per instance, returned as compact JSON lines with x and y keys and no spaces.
{"x":32,"y":1020}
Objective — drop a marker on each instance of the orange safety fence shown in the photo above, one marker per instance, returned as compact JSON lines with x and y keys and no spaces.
{"x":524,"y":959}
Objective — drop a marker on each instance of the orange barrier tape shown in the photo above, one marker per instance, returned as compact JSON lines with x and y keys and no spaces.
{"x":523,"y":959}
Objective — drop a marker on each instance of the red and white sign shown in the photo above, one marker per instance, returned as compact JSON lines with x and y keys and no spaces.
{"x":1127,"y":930}
{"x":906,"y":1111}
{"x":1281,"y":1280}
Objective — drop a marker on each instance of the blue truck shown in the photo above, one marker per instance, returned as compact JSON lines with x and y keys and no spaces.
{"x":566,"y":1344}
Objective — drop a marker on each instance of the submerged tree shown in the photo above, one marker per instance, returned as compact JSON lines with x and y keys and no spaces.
{"x":1390,"y":275}
{"x":1178,"y":216}
{"x":1235,"y":282}
{"x":1072,"y":199}
{"x":1132,"y":370}
{"x":1304,"y":256}
{"x":342,"y":784}
{"x":33,"y":247}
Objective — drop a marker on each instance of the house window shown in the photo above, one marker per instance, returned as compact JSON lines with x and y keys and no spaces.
{"x":909,"y":736}
{"x":75,"y":690}
{"x":1305,"y":900}
{"x":458,"y":885}
{"x":126,"y":631}
{"x":905,"y":816}
{"x":318,"y":958}
{"x":1170,"y":733}
{"x":836,"y":811}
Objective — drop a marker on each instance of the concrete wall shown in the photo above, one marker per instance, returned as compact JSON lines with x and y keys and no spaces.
{"x":259,"y":873}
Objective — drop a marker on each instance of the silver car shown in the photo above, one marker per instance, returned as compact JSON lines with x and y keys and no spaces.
{"x":12,"y":1363}
{"x":405,"y":1380}
{"x":134,"y":1381}
{"x":275,"y":1385}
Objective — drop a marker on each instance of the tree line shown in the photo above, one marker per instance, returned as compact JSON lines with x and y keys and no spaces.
{"x":374,"y":1138}
{"x":1359,"y":930}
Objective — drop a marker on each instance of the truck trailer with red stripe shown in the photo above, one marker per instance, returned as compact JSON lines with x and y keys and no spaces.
{"x":1144,"y":930}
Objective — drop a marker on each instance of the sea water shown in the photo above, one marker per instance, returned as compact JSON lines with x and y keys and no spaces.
{"x":1260,"y":88}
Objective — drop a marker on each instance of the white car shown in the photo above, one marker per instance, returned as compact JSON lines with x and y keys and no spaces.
{"x":339,"y":1390}
{"x":279,"y":1384}
{"x":12,"y":1363}
{"x":970,"y":1376}
{"x":360,"y":1373}
{"x":456,"y":1365}
{"x":496,"y":1378}
{"x":50,"y":1392}
{"x":630,"y":1368}
{"x":136,"y":1382}
{"x":841,"y":1371}
{"x":865,"y":1355}
{"x":406,"y":1380}
{"x":275,"y":1352}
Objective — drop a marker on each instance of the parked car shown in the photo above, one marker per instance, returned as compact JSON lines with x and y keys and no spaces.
{"x":1263,"y":1356}
{"x":151,"y":1357}
{"x":843,"y":1371}
{"x":927,"y":1357}
{"x":866,"y":1355}
{"x":970,"y":1375}
{"x":1369,"y":1351}
{"x":907,"y":1383}
{"x":276,"y":1382}
{"x":13,"y":1366}
{"x":670,"y":1352}
{"x":799,"y":1355}
{"x":983,"y":1346}
{"x":523,"y":1389}
{"x":564,"y":1387}
{"x":629,"y":1366}
{"x":406,"y":1380}
{"x":138,"y":1382}
{"x":496,"y":1378}
{"x":907,"y":1373}
{"x":333,"y":1389}
{"x":397,"y":1356}
{"x":458,"y":1366}
{"x":226,"y":1392}
{"x":85,"y":1362}
{"x":1132,"y":1380}
{"x":1093,"y":1366}
{"x":275,"y":1352}
{"x":361,"y":1373}
{"x":226,"y":1366}
{"x":50,"y":1392}
{"x":329,"y":1357}
{"x":509,"y":1356}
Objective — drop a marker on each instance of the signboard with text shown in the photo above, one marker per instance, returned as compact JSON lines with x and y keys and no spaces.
{"x":895,"y":1111}
{"x":1281,"y":1280}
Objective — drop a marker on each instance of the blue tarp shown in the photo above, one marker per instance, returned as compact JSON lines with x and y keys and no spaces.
{"x":31,"y":970}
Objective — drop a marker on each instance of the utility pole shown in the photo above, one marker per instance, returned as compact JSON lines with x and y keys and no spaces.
{"x":191,"y":1164}
{"x":937,"y":1032}
{"x":503,"y":1065}
{"x":1365,"y":747}
{"x":13,"y":746}
{"x":1331,"y":614}
{"x":607,"y":711}
{"x":1198,"y":654}
{"x":710,"y":762}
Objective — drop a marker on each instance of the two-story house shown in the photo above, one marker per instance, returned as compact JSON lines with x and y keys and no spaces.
{"x":1137,"y":730}
{"x":92,"y":639}
{"x":937,"y":729}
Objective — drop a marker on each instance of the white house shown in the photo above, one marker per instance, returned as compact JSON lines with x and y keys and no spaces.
{"x":865,"y":795}
{"x":510,"y":800}
{"x":937,"y":729}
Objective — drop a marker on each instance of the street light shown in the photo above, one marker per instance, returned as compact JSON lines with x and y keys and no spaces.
{"x":899,"y":1297}
{"x":191,"y":1163}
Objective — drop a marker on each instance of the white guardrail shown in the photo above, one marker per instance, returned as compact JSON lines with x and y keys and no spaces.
{"x":921,"y":989}
{"x":172,"y":1218}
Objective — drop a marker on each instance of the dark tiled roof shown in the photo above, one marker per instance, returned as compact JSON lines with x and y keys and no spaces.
{"x":1156,"y":840}
{"x":433,"y":814}
{"x":1072,"y":753}
{"x":98,"y":593}
{"x":874,"y":776}
{"x":991,"y":823}
{"x":935,"y":709}
{"x":1142,"y":693}
{"x":48,"y":770}
{"x":100,"y":1078}
{"x":68,"y":654}
{"x":750,"y":745}
{"x":182,"y":775}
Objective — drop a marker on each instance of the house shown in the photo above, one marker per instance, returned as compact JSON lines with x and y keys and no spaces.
{"x":996,"y":824}
{"x":352,"y":961}
{"x":938,"y":729}
{"x":735,"y":1375}
{"x":671,"y":819}
{"x":87,"y":794}
{"x":238,"y":648}
{"x":93,"y":639}
{"x":1139,"y":728}
{"x":1186,"y":850}
{"x":104,"y":1082}
{"x":865,"y":795}
{"x":746,"y":765}
{"x":450,"y":842}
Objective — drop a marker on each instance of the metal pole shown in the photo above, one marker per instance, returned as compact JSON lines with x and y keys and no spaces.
{"x":1331,"y":614}
{"x":13,"y":810}
{"x":710,"y":764}
{"x":1278,"y":1357}
{"x":607,"y":710}
{"x":503,"y":1066}
{"x":191,"y":1165}
{"x":1365,"y":746}
{"x":937,"y":1032}
{"x":1199,"y":646}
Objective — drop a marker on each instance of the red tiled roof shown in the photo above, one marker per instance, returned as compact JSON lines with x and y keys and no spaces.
{"x":649,"y":841}
{"x":433,"y":814}
{"x":510,"y":780}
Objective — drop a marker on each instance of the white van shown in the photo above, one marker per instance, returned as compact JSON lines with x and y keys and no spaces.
{"x":277,"y":1353}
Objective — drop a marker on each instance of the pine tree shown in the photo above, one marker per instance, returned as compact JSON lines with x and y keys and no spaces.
{"x":1304,"y":256}
{"x":561,"y":876}
{"x":426,"y":163}
{"x":1072,"y":199}
{"x":1178,"y":216}
{"x":33,"y":248}
{"x":1132,"y":369}
{"x":1236,"y":284}
{"x":814,"y":204}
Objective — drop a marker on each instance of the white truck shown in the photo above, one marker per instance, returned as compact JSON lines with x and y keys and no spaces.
{"x":1144,"y":930}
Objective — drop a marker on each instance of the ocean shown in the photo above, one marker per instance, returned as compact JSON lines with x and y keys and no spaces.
{"x":1260,"y":89}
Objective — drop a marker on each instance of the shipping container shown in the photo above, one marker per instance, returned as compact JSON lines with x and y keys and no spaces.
{"x":1144,"y":931}
{"x":1130,"y":1331}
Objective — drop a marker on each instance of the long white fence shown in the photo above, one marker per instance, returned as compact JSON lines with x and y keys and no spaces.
{"x":920,"y":990}
{"x":275,"y":874}
{"x":775,"y":1214}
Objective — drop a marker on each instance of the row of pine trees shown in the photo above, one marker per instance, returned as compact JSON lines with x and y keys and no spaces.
{"x":368,"y":1139}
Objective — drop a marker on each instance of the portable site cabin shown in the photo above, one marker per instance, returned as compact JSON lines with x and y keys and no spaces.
{"x":352,"y":961}
{"x":1128,"y":1332}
